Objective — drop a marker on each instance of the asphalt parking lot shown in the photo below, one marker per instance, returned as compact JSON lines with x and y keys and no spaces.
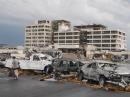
{"x":30,"y":86}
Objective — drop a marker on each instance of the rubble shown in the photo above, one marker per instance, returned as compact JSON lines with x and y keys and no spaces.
{"x":72,"y":78}
{"x":3,"y":71}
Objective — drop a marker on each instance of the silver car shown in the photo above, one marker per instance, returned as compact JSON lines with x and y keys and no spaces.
{"x":103,"y":71}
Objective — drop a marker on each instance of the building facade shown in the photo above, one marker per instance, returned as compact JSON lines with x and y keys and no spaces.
{"x":64,"y":37}
{"x":67,"y":39}
{"x":61,"y":35}
{"x":103,"y":38}
{"x":38,"y":34}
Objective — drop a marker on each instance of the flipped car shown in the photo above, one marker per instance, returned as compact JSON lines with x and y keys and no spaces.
{"x":105,"y":72}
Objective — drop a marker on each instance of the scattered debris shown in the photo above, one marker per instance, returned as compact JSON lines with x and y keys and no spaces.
{"x":72,"y":78}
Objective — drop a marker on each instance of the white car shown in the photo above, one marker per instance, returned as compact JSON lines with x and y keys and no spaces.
{"x":35,"y":62}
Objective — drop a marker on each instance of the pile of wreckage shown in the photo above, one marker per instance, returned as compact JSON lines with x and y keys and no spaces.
{"x":93,"y":73}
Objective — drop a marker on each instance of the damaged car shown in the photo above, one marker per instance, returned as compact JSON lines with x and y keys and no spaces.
{"x":105,"y":72}
{"x":66,"y":66}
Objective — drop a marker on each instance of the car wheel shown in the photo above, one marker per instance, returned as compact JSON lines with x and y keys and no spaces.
{"x":80,"y":76}
{"x":46,"y":69}
{"x":101,"y":81}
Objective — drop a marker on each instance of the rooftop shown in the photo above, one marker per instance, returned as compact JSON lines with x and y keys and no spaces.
{"x":93,"y":26}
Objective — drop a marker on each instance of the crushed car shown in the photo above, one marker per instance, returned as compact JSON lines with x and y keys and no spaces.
{"x":105,"y":72}
{"x":66,"y":66}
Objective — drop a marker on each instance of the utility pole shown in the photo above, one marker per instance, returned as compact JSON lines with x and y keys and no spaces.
{"x":83,"y":40}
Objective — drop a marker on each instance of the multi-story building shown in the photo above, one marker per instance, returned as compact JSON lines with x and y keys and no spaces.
{"x":59,"y":32}
{"x":67,"y":39}
{"x":38,"y":34}
{"x":60,"y":25}
{"x":103,"y":38}
{"x":64,"y":37}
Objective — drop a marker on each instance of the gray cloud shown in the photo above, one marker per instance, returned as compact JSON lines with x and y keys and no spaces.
{"x":112,"y":13}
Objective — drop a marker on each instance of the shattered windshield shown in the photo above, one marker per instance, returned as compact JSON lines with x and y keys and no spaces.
{"x":108,"y":66}
{"x":43,"y":58}
{"x":120,"y":67}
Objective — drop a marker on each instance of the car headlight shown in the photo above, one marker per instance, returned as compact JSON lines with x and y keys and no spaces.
{"x":114,"y":74}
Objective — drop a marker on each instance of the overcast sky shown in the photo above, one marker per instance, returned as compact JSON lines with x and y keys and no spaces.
{"x":15,"y":14}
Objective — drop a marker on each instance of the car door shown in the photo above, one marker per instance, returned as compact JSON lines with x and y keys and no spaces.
{"x":72,"y":66}
{"x":93,"y":72}
{"x":62,"y":66}
{"x":36,"y":63}
{"x":86,"y":69}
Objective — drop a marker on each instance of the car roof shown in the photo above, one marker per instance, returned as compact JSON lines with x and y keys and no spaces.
{"x":101,"y":61}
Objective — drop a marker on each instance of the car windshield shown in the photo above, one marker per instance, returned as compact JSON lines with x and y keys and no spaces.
{"x":108,"y":66}
{"x":43,"y":58}
{"x":120,"y":67}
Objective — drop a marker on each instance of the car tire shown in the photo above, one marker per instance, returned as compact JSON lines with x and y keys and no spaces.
{"x":101,"y":82}
{"x":46,"y":69}
{"x":80,"y":76}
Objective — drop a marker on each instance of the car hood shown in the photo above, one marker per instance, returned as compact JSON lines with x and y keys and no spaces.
{"x":119,"y":70}
{"x":122,"y":71}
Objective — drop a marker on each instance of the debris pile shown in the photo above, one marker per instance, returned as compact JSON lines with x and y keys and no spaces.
{"x":72,"y":78}
{"x":3,"y":71}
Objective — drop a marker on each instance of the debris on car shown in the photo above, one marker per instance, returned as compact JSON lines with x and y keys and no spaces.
{"x":105,"y":72}
{"x":66,"y":66}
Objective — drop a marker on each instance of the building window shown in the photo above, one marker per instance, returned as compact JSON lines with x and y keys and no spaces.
{"x":56,"y":41}
{"x":114,"y":36}
{"x":42,"y":21}
{"x":89,"y":41}
{"x":62,"y":41}
{"x":89,"y":32}
{"x":41,"y":26}
{"x":28,"y":27}
{"x":28,"y":30}
{"x":55,"y":33}
{"x":76,"y":33}
{"x":69,"y":37}
{"x":28,"y":33}
{"x":68,"y":41}
{"x":113,"y":32}
{"x":34,"y":26}
{"x":61,"y":33}
{"x":55,"y":37}
{"x":40,"y":29}
{"x":113,"y":45}
{"x":40,"y":33}
{"x":48,"y":34}
{"x":105,"y":41}
{"x":28,"y":37}
{"x":61,"y":37}
{"x":96,"y":36}
{"x":96,"y":32}
{"x":34,"y":37}
{"x":106,"y":32}
{"x":98,"y":45}
{"x":96,"y":41}
{"x":90,"y":37}
{"x":68,"y":33}
{"x":105,"y":45}
{"x":27,"y":44}
{"x":76,"y":37}
{"x":75,"y":41}
{"x":106,"y":36}
{"x":113,"y":41}
{"x":47,"y":30}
